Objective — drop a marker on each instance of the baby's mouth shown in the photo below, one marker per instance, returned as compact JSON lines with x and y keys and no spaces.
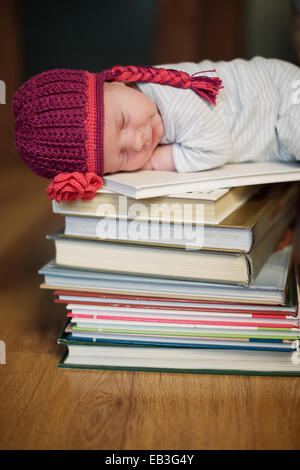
{"x":152,"y":135}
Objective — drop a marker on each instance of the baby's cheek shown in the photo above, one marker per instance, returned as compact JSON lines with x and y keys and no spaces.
{"x":110,"y":164}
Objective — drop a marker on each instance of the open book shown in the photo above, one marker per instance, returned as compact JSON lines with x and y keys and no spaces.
{"x":146,"y":183}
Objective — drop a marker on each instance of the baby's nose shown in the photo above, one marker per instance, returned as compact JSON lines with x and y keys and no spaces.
{"x":139,"y":138}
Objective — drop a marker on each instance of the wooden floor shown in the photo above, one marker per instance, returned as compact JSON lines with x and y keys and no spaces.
{"x":42,"y":407}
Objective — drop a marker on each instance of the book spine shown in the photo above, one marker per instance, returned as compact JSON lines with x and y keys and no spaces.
{"x":262,"y":248}
{"x":273,"y":212}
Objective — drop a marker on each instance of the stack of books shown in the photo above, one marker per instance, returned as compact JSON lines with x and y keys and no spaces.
{"x":201,"y":281}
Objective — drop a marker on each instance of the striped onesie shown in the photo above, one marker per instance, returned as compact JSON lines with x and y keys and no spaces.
{"x":257,"y":116}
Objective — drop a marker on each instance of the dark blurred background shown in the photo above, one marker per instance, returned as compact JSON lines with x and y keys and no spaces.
{"x":95,"y":34}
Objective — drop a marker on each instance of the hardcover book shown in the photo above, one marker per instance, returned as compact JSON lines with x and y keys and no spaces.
{"x":269,"y":288}
{"x":216,"y":204}
{"x":151,"y":358}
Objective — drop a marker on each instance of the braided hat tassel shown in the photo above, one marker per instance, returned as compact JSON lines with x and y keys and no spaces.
{"x":202,"y":85}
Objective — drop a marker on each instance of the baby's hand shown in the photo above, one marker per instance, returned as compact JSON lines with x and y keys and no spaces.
{"x":162,"y":159}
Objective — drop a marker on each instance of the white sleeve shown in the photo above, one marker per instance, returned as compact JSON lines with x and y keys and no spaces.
{"x":197,"y":130}
{"x":203,"y":139}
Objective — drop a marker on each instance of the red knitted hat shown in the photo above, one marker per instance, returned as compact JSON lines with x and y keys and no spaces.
{"x":59,"y":122}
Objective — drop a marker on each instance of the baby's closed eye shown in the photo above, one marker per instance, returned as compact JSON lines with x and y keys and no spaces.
{"x":124,"y":120}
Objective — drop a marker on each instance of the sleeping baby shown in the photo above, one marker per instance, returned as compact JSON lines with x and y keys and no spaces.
{"x":75,"y":126}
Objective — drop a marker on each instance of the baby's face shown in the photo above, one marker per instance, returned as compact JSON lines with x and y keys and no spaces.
{"x":132,"y":128}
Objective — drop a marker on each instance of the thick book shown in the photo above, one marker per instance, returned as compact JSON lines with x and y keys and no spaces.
{"x":269,"y":288}
{"x":146,"y":183}
{"x":215,"y":206}
{"x":172,"y":263}
{"x":237,"y":232}
{"x":180,"y":359}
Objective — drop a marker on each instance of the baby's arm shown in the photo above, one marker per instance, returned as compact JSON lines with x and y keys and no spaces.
{"x":162,"y":159}
{"x":198,"y":135}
